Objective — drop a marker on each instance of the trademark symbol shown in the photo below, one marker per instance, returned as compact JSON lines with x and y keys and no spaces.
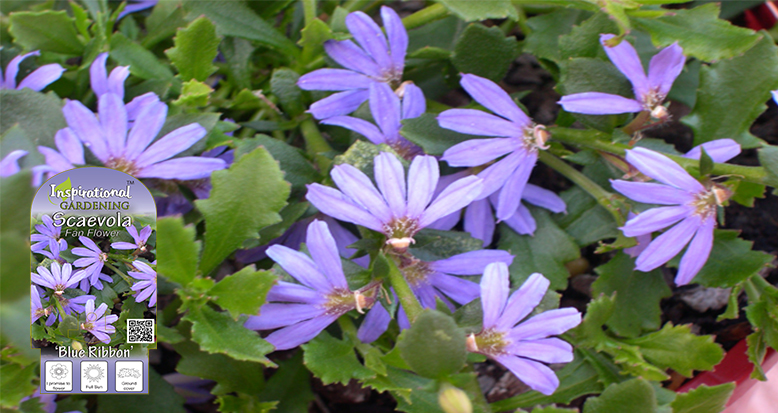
{"x":130,"y":182}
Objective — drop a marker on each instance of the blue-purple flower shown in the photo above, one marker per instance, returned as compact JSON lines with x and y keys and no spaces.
{"x":58,"y":278}
{"x":102,"y":82}
{"x":519,"y":139}
{"x":74,"y":305}
{"x":691,"y":211}
{"x":397,"y":215}
{"x":650,"y":91}
{"x":378,"y":58}
{"x":48,"y":236}
{"x":775,"y":95}
{"x":37,"y":80}
{"x":431,"y":281}
{"x":302,"y":311}
{"x":98,"y":323}
{"x":139,"y":238}
{"x":10,"y":164}
{"x":137,"y":5}
{"x":522,"y":348}
{"x":93,"y":261}
{"x":146,"y":288}
{"x":36,"y":308}
{"x":388,"y":111}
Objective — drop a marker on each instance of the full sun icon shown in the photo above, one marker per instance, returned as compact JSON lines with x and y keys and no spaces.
{"x":93,"y":373}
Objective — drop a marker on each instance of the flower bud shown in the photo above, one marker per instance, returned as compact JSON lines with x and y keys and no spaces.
{"x":721,"y":193}
{"x":76,"y":345}
{"x":454,"y":400}
{"x":660,"y":112}
{"x":472,"y":346}
{"x":541,"y":136}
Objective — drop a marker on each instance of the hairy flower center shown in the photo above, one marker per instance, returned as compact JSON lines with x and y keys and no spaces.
{"x":535,"y":138}
{"x":490,"y":342}
{"x":400,"y":231}
{"x":416,"y":273}
{"x":121,"y":164}
{"x":341,"y":301}
{"x":705,"y":202}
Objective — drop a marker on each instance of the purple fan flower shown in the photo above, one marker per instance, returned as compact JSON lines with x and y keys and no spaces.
{"x":519,"y":138}
{"x":69,"y":156}
{"x":98,"y":323}
{"x":93,"y":263}
{"x":137,"y":5}
{"x":390,"y":211}
{"x":522,"y":348}
{"x":775,"y":95}
{"x":689,"y":204}
{"x":431,"y":281}
{"x":10,"y":164}
{"x":48,"y":236}
{"x":36,"y":308}
{"x":37,"y":80}
{"x":720,"y":150}
{"x":140,"y":239}
{"x":388,"y":112}
{"x":304,"y":310}
{"x":103,"y":83}
{"x":650,"y":91}
{"x":147,"y":286}
{"x":642,"y":240}
{"x":378,"y":58}
{"x":59,"y":278}
{"x":70,"y":306}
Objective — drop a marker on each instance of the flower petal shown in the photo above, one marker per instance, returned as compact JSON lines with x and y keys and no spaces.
{"x":535,"y":375}
{"x":350,"y":56}
{"x":360,"y":126}
{"x":423,"y":178}
{"x":495,"y":175}
{"x":357,"y":186}
{"x":598,"y":103}
{"x":116,"y":80}
{"x":390,"y":177}
{"x":626,"y":59}
{"x":460,"y":290}
{"x":668,"y":245}
{"x":522,"y":221}
{"x":333,"y":203}
{"x":375,"y":323}
{"x":136,"y":105}
{"x":476,"y":152}
{"x":69,"y":146}
{"x":98,"y":77}
{"x":414,"y":104}
{"x":720,"y":150}
{"x":113,"y":120}
{"x":13,"y":68}
{"x":663,"y":169}
{"x":341,"y":103}
{"x":455,"y":197}
{"x":510,"y":195}
{"x":652,"y":193}
{"x":185,"y":168}
{"x":301,"y":267}
{"x":472,"y":262}
{"x":665,"y":67}
{"x":85,"y":125}
{"x":494,"y":98}
{"x":698,"y":252}
{"x":523,"y":301}
{"x":324,"y":251}
{"x":549,"y":323}
{"x":479,"y":221}
{"x":367,"y":33}
{"x":385,"y":108}
{"x":476,"y":122}
{"x":543,"y":198}
{"x":397,"y":36}
{"x":172,"y":144}
{"x":41,"y":77}
{"x":333,"y":79}
{"x":655,"y":219}
{"x":9,"y":165}
{"x":149,"y":121}
{"x":294,"y":293}
{"x":279,"y":315}
{"x":495,"y":287}
{"x":547,"y":350}
{"x":294,"y":335}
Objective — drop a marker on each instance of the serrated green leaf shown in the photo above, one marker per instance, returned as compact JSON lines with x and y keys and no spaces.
{"x":745,"y":192}
{"x":16,"y":382}
{"x":216,"y":332}
{"x":49,"y":31}
{"x":142,"y":62}
{"x":413,"y":393}
{"x":433,"y":244}
{"x":193,"y":93}
{"x":636,"y":393}
{"x":297,"y":170}
{"x":700,"y":33}
{"x":723,"y":111}
{"x":757,"y":348}
{"x":15,"y":199}
{"x":434,"y":346}
{"x":165,"y":18}
{"x":703,"y":399}
{"x":283,"y":84}
{"x":161,"y":399}
{"x":290,"y":385}
{"x":584,"y":39}
{"x":763,"y":315}
{"x":237,"y":52}
{"x":768,"y":158}
{"x":312,"y":39}
{"x":244,"y":199}
{"x":177,"y":250}
{"x":237,"y":19}
{"x":39,"y":116}
{"x":484,"y":51}
{"x":637,"y":295}
{"x":547,"y":29}
{"x":333,"y":360}
{"x":545,"y":252}
{"x":677,"y":348}
{"x":481,"y":10}
{"x":194,"y":51}
{"x":243,"y":292}
{"x":425,"y":132}
{"x":244,"y":404}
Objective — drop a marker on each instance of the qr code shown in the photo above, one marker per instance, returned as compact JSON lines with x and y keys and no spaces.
{"x":140,"y":330}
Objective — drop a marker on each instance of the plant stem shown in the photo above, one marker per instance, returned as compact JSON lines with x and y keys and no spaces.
{"x":404,"y":292}
{"x":347,"y":326}
{"x":121,"y":274}
{"x":603,"y":197}
{"x":761,"y":284}
{"x":315,"y":144}
{"x":354,"y":5}
{"x":309,"y":10}
{"x":751,"y":290}
{"x":428,"y":14}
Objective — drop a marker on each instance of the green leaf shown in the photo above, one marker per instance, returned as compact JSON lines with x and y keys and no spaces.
{"x":177,"y":250}
{"x":768,"y":158}
{"x":413,"y":393}
{"x":745,"y":192}
{"x":38,"y":115}
{"x":484,"y":51}
{"x":545,"y":252}
{"x":236,"y":19}
{"x":552,"y":409}
{"x":425,"y":132}
{"x":15,"y":198}
{"x":48,"y":31}
{"x":757,"y":348}
{"x":547,"y":30}
{"x":723,"y":111}
{"x":297,"y":170}
{"x":312,"y":39}
{"x":677,"y":348}
{"x":243,"y":292}
{"x":333,"y":360}
{"x":763,"y":315}
{"x":230,"y":375}
{"x":584,"y":39}
{"x":481,"y":10}
{"x":433,"y":244}
{"x":637,"y":295}
{"x":700,"y":33}
{"x":731,"y":261}
{"x":194,"y":94}
{"x":234,"y":212}
{"x":283,"y":84}
{"x":162,"y":398}
{"x":16,"y":382}
{"x":636,"y":393}
{"x":143,"y":63}
{"x":162,"y":23}
{"x":244,"y":404}
{"x":290,"y":385}
{"x":434,"y":346}
{"x":216,"y":332}
{"x":706,"y":163}
{"x":703,"y":399}
{"x":194,"y":51}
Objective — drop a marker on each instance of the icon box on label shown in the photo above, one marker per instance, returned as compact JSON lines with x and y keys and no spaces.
{"x":129,"y":376}
{"x":94,"y":376}
{"x":58,"y":376}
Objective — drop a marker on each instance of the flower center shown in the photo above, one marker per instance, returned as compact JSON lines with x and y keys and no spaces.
{"x":535,"y":138}
{"x":400,"y":232}
{"x":490,"y":342}
{"x":705,"y":202}
{"x":121,"y":164}
{"x":416,"y":273}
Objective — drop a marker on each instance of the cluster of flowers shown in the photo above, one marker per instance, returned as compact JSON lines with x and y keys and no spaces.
{"x":50,"y":284}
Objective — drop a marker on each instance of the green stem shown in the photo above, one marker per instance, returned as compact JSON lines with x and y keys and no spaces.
{"x":309,"y":10}
{"x":600,"y":141}
{"x":761,"y":284}
{"x":347,"y":326}
{"x":603,"y":197}
{"x":354,"y":5}
{"x":121,"y":274}
{"x":751,"y":290}
{"x":315,"y":144}
{"x":404,"y":292}
{"x":428,"y":14}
